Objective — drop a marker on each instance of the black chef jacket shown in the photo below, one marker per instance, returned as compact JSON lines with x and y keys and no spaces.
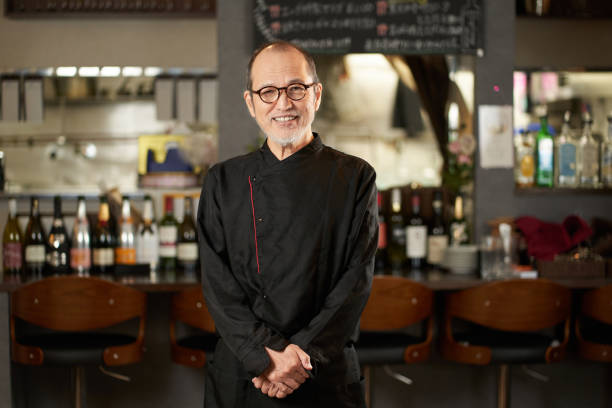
{"x":287,"y":251}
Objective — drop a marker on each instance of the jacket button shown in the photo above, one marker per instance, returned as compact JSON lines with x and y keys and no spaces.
{"x":265,"y":296}
{"x":260,"y":220}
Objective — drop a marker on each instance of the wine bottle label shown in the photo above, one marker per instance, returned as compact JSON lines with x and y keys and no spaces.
{"x":57,"y":258}
{"x":167,"y":250}
{"x":103,"y":256}
{"x":147,"y":249}
{"x":527,"y":166}
{"x":606,"y":165}
{"x":436,"y":245}
{"x":382,"y":235}
{"x":35,"y":254}
{"x":11,"y":255}
{"x":458,"y":233}
{"x":187,"y":251}
{"x":125,"y":256}
{"x":80,"y":258}
{"x":545,"y":154}
{"x":398,"y":235}
{"x":567,"y":160}
{"x":416,"y":241}
{"x":590,"y":166}
{"x":168,"y":235}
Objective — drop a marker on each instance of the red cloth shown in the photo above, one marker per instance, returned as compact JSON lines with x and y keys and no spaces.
{"x":547,"y":239}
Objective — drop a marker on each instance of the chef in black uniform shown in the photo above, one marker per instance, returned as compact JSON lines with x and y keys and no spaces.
{"x":287,"y":240}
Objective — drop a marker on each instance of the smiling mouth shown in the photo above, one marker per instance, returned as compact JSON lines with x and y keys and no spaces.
{"x":284,"y":118}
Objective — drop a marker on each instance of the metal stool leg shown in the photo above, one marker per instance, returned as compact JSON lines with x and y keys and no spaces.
{"x":503,"y":386}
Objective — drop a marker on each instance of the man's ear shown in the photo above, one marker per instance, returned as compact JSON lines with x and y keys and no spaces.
{"x":248,"y":99}
{"x":318,"y":93}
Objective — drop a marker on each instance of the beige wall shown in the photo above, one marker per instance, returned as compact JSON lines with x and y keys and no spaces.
{"x":26,"y":43}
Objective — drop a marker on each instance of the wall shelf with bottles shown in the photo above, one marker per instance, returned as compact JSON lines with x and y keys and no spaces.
{"x":562,"y":191}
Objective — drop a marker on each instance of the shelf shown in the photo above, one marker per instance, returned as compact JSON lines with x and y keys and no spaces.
{"x":561,"y":191}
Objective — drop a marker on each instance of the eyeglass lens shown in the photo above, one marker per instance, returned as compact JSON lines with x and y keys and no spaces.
{"x":272,"y":93}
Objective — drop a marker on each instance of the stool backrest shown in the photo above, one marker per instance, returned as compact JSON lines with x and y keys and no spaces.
{"x":72,"y":303}
{"x":513,"y":305}
{"x":597,"y":304}
{"x":395,"y":303}
{"x":188,"y":306}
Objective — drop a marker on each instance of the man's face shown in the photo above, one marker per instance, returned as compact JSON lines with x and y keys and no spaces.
{"x":284,"y":121}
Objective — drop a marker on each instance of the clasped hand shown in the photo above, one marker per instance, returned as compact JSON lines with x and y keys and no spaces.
{"x":286,"y":372}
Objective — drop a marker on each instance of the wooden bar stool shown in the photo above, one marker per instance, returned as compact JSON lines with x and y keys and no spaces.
{"x":188,"y":307}
{"x":504,"y":323}
{"x":594,"y":325}
{"x":64,"y":315}
{"x":395,"y":304}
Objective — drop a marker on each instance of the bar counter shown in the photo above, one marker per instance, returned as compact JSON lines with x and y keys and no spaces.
{"x":434,"y":279}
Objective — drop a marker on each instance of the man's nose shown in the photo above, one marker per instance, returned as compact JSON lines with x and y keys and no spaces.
{"x":283,"y":100}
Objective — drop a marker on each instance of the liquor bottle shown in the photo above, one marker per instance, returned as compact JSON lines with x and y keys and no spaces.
{"x":34,"y":244}
{"x":588,"y":155}
{"x":565,"y":152}
{"x":125,"y":251}
{"x":458,"y":229}
{"x":187,"y":245}
{"x":12,"y":246}
{"x":397,"y":232}
{"x":544,"y":154}
{"x":103,"y":243}
{"x":437,"y":240}
{"x":147,"y":239}
{"x":606,"y":157}
{"x":525,"y":163}
{"x":168,"y":232}
{"x":58,"y":243}
{"x":416,"y":235}
{"x":380,"y":261}
{"x":80,"y":253}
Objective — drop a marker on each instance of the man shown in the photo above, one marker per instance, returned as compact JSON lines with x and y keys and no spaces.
{"x":287,"y":241}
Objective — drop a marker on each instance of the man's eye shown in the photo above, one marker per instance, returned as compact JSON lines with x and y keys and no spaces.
{"x":296,"y":88}
{"x":267,"y":92}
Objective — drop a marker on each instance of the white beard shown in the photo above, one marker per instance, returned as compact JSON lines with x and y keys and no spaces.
{"x":284,"y":142}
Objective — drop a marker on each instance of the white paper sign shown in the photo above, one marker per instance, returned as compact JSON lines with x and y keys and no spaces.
{"x":33,"y":95}
{"x":495,"y":136}
{"x":164,"y":98}
{"x":10,"y":100}
{"x":186,"y":100}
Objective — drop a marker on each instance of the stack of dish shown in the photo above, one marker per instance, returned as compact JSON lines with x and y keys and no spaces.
{"x":462,"y":259}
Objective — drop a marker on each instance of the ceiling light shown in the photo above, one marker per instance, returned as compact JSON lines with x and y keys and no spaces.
{"x":132,"y":71}
{"x":66,"y":71}
{"x":110,"y":71}
{"x":89,"y":71}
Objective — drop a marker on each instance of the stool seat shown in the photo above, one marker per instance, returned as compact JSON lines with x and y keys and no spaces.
{"x":593,"y":325}
{"x":74,"y":348}
{"x":509,"y":347}
{"x":384,"y":347}
{"x":205,"y":342}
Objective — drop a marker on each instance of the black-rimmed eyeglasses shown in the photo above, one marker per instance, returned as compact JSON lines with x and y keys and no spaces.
{"x":295,"y":92}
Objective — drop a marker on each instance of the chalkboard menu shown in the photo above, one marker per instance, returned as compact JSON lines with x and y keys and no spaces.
{"x":385,"y":26}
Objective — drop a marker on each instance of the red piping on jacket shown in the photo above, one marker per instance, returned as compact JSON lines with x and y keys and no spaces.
{"x":254,"y":225}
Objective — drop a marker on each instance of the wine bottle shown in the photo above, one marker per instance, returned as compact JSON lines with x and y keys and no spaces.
{"x":34,"y":244}
{"x":458,"y":230}
{"x":437,"y":240}
{"x":380,"y":261}
{"x":397,"y":232}
{"x":168,"y":232}
{"x":58,"y":243}
{"x":525,"y":165}
{"x":606,"y":157}
{"x":12,"y":246}
{"x":80,"y":252}
{"x":103,"y":243}
{"x":544,"y":154}
{"x":416,"y":235}
{"x":187,"y":245}
{"x":125,"y":252}
{"x":566,"y":149}
{"x":147,"y":239}
{"x":588,"y":157}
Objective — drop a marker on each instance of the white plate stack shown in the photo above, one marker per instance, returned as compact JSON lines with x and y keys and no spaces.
{"x":461,"y":259}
